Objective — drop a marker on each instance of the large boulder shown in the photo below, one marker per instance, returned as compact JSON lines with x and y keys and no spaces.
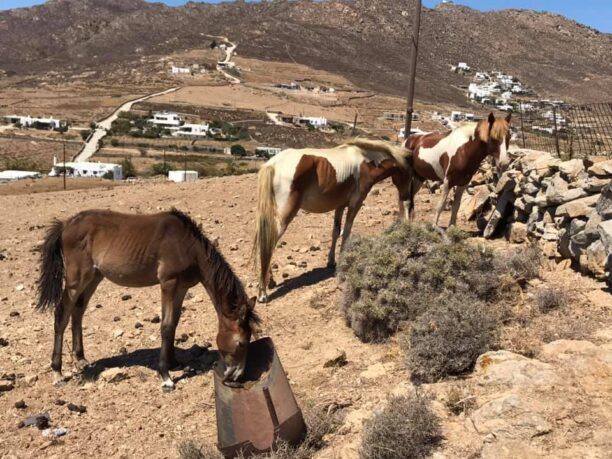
{"x":604,"y":203}
{"x":596,"y":258}
{"x":578,"y":208}
{"x":572,"y":168}
{"x":604,"y":230}
{"x":477,"y":202}
{"x":601,"y":169}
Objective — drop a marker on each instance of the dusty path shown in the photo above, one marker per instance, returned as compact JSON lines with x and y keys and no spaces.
{"x":91,"y":146}
{"x":133,"y":418}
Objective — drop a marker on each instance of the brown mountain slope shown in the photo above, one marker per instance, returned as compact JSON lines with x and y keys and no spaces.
{"x":364,"y":40}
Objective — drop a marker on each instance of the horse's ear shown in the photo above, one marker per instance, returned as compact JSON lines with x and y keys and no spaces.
{"x":251,"y":303}
{"x":509,"y":118}
{"x":491,"y":118}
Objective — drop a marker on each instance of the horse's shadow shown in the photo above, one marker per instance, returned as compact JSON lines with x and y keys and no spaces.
{"x":193,"y":361}
{"x":306,"y":279}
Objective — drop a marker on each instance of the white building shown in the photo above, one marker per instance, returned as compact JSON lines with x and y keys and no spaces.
{"x":315,"y":121}
{"x":166,"y":119}
{"x":181,"y":70}
{"x":505,"y":107}
{"x":28,"y":121}
{"x":182,"y":176}
{"x":86,"y":169}
{"x":413,"y":131}
{"x":267,"y":152}
{"x":186,"y":130}
{"x":18,"y":175}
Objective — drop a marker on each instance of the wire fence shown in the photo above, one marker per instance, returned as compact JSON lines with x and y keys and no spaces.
{"x":568,"y":131}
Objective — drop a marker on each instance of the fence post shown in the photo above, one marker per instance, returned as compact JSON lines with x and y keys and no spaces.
{"x":522,"y":127}
{"x":554,"y":110}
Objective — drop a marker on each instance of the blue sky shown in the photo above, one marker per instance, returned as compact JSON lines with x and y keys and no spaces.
{"x":595,"y":13}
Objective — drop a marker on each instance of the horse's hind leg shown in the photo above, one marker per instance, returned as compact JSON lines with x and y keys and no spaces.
{"x":414,"y":189}
{"x":331,"y":258}
{"x":78,"y":351}
{"x":445,"y":191}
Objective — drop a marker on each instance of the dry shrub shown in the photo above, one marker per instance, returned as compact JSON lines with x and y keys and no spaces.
{"x":550,"y":298}
{"x":522,"y":264}
{"x":191,"y":450}
{"x":448,"y":338}
{"x":458,"y":400}
{"x":406,"y":428}
{"x":398,"y":275}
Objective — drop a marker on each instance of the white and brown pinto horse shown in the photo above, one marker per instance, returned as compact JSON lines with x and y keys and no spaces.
{"x":454,"y":157}
{"x":322,"y":180}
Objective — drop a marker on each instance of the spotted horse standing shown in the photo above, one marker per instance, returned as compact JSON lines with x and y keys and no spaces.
{"x":454,"y":157}
{"x":319,"y":181}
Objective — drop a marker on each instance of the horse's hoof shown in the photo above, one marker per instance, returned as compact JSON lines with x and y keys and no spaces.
{"x":262,"y":299}
{"x":81,"y":364}
{"x":58,"y":379}
{"x":167,"y":386}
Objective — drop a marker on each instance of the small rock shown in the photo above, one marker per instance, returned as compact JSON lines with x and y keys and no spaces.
{"x":126,"y":297}
{"x":3,"y":342}
{"x":118,"y":333}
{"x":113,"y":375}
{"x":302,"y":264}
{"x":182,"y":339}
{"x":517,"y":233}
{"x":60,"y":402}
{"x":19,"y":288}
{"x":14,"y":314}
{"x":601,"y":169}
{"x":41,"y":421}
{"x":155,"y":319}
{"x":54,"y":433}
{"x":138,"y":325}
{"x":335,"y":358}
{"x":6,"y":386}
{"x":77,"y":408}
{"x":98,"y":306}
{"x":233,"y":247}
{"x":21,"y":405}
{"x":604,"y":203}
{"x":30,"y":380}
{"x":116,"y":319}
{"x":572,"y":168}
{"x":578,"y":208}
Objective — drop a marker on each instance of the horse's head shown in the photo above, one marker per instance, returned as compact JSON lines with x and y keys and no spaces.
{"x":235,"y":330}
{"x":498,"y":140}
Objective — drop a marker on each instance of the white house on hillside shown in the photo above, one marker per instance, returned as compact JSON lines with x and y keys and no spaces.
{"x":42,"y":123}
{"x":315,"y":121}
{"x":181,"y":70}
{"x":200,"y":130}
{"x":166,"y":119}
{"x":86,"y":169}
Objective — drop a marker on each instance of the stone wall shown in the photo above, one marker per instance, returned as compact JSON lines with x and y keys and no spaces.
{"x":566,"y":205}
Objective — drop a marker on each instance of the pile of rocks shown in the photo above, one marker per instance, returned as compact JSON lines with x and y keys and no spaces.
{"x":567,"y":205}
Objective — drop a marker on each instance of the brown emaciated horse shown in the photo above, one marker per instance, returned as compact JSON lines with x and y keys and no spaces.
{"x":168,"y":249}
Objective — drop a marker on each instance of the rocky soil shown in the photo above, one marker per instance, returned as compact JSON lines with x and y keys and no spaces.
{"x":554,"y":403}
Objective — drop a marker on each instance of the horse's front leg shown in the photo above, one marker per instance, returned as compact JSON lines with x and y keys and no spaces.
{"x":353,"y":210}
{"x":456,"y":204}
{"x":173,"y":295}
{"x":443,"y":198}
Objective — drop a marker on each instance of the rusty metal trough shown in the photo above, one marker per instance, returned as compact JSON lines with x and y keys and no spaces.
{"x":262,"y":410}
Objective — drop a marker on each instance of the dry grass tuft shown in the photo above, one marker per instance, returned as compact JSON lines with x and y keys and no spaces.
{"x":191,"y":450}
{"x":406,"y":428}
{"x":549,"y":298}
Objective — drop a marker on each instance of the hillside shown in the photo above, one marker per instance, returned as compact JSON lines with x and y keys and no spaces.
{"x":363,"y":40}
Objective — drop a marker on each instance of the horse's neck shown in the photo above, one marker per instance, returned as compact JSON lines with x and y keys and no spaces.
{"x":216,"y":276}
{"x":380,"y":172}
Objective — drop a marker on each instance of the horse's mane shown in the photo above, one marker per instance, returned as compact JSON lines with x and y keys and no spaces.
{"x":498,"y":131}
{"x":224,"y":279}
{"x":398,"y":153}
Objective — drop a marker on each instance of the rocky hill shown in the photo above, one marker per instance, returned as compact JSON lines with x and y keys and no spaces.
{"x":364,"y":40}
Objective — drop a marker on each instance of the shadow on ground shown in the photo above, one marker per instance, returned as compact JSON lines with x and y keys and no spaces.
{"x":303,"y":280}
{"x":192,"y":361}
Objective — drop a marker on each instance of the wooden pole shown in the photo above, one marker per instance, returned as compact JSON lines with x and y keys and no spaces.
{"x":414,"y":46}
{"x":354,"y":126}
{"x":64,"y":145}
{"x":185,"y":178}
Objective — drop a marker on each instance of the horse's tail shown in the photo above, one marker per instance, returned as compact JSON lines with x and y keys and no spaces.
{"x":266,"y":231}
{"x":51,"y":280}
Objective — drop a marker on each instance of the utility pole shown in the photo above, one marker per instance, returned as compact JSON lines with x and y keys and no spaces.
{"x":64,"y":145}
{"x":414,"y":46}
{"x":185,"y":179}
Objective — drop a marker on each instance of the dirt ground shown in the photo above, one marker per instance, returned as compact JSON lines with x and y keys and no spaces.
{"x":133,"y":418}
